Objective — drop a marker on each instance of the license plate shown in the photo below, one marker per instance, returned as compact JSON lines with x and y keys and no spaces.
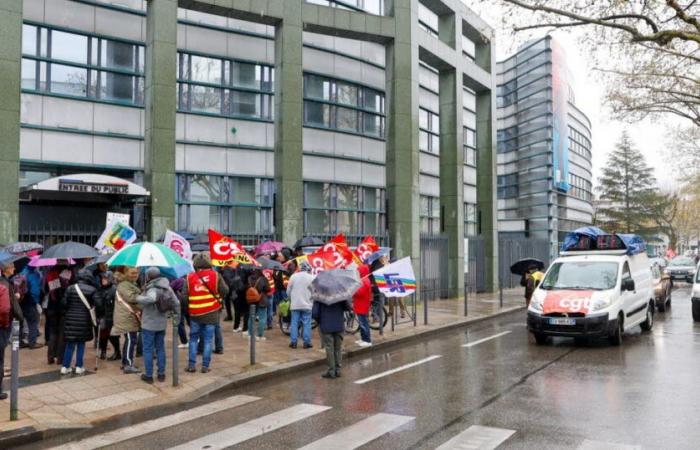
{"x":562,"y":321}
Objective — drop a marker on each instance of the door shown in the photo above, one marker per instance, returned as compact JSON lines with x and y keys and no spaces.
{"x":633,"y":301}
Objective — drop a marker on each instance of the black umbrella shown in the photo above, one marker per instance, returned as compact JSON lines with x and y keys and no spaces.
{"x":23,"y":247}
{"x":19,"y":262}
{"x":522,"y":266}
{"x":70,"y":250}
{"x":102,"y":259}
{"x":334,"y":286}
{"x":308,"y":241}
{"x":199,"y":247}
{"x":267,"y":263}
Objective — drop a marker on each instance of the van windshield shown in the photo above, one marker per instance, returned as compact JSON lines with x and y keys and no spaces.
{"x":581,"y":275}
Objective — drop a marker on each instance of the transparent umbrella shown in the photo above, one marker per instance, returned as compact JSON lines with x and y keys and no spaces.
{"x":334,"y":286}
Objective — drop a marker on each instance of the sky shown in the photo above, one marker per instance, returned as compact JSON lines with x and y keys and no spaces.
{"x":649,"y":136}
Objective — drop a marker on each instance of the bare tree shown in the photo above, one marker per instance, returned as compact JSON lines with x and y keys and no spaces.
{"x":646,"y":51}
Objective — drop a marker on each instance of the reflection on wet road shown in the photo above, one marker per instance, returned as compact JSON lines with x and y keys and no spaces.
{"x":483,"y":387}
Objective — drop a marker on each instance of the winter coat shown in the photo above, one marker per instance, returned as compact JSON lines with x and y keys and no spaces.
{"x":104,"y":301}
{"x":151,"y":318}
{"x":77,"y":322}
{"x":299,"y":293}
{"x":15,"y":309}
{"x":124,"y":320}
{"x":33,"y":285}
{"x":330,"y":318}
{"x":213,"y":317}
{"x":363,"y":296}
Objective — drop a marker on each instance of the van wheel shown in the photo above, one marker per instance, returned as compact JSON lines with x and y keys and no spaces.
{"x":648,"y":324}
{"x":696,"y":311}
{"x":616,"y":338}
{"x":662,"y":307}
{"x":541,"y":338}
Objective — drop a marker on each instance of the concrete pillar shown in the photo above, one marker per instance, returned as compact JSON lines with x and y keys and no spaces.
{"x":402,"y":162}
{"x":160,"y":98}
{"x":486,"y":183}
{"x":452,"y":176}
{"x":289,"y":109}
{"x":10,"y":75}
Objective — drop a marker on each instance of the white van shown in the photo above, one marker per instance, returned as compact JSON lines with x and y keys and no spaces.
{"x":695,"y":296}
{"x":593,"y":294}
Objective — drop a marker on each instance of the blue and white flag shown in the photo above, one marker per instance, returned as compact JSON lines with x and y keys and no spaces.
{"x":396,"y":279}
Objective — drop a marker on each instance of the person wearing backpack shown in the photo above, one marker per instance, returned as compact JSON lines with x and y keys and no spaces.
{"x":157,"y":303}
{"x":77,"y":304}
{"x":240,"y":305}
{"x":29,"y":306}
{"x":257,"y":294}
{"x":203,"y":292}
{"x":9,"y":309}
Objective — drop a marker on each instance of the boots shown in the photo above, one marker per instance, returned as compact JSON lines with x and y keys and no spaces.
{"x":116,"y":356}
{"x":103,"y":355}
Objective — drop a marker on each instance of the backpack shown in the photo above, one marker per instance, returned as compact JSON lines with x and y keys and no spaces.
{"x":252,"y":295}
{"x":5,"y":306}
{"x":163,"y":300}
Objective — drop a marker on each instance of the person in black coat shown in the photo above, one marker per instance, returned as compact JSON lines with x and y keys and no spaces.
{"x":228,"y":273}
{"x":331,"y":319}
{"x":78,"y":326}
{"x":240,"y":304}
{"x":105,"y":296}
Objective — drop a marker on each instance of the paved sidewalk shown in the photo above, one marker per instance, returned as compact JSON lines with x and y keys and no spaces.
{"x":50,"y":403}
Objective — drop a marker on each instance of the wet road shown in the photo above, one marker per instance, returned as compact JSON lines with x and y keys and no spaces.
{"x":483,"y":387}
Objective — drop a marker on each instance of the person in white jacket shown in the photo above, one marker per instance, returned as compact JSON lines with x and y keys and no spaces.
{"x":301,"y":305}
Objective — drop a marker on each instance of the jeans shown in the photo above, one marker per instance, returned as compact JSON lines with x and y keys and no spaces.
{"x":68,"y":355}
{"x":129,"y":349}
{"x":333,"y":343}
{"x":206,"y":333}
{"x":153,"y":339}
{"x":261,"y":314}
{"x":32,"y":317}
{"x":4,"y":340}
{"x":363,"y":320}
{"x":218,"y":340}
{"x":305,"y":317}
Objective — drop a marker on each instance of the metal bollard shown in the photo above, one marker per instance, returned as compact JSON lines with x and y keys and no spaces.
{"x":252,"y":334}
{"x":176,"y":354}
{"x":466,"y":300}
{"x":14,"y":380}
{"x":425,"y":311}
{"x":381,"y":315}
{"x":500,"y":295}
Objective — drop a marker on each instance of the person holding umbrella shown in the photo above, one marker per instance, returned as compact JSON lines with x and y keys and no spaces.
{"x":332,"y":291}
{"x":104,"y":306}
{"x":57,"y":280}
{"x":76,"y":305}
{"x":530,"y":273}
{"x":9,"y":308}
{"x":127,"y":315}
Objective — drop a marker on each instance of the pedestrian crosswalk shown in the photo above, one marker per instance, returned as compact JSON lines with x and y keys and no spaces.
{"x":477,"y":437}
{"x":361,"y":433}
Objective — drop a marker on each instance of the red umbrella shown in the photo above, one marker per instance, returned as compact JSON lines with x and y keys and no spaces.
{"x":268,"y":247}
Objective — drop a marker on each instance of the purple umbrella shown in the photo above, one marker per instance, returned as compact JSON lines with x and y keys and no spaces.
{"x":268,"y":247}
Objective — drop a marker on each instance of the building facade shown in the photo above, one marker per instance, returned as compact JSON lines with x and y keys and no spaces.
{"x":269,"y":118}
{"x":544,"y":147}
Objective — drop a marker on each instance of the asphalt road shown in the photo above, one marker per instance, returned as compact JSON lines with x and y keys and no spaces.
{"x":483,"y":387}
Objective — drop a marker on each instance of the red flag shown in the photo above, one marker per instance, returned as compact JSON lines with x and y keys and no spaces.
{"x":366,"y":248}
{"x":270,"y":281}
{"x":224,"y":250}
{"x":338,"y":246}
{"x":322,"y":260}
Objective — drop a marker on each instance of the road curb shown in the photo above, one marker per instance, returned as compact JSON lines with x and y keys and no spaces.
{"x":28,"y":435}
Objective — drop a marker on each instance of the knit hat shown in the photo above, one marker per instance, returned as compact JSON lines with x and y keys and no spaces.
{"x":152,"y":273}
{"x":202,"y":260}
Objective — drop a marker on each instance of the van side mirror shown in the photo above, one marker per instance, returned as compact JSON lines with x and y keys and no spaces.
{"x":628,"y":284}
{"x":689,"y":279}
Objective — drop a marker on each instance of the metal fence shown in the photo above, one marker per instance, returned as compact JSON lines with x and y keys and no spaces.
{"x":511,"y":250}
{"x":48,"y":235}
{"x":433,"y":267}
{"x":475,"y":278}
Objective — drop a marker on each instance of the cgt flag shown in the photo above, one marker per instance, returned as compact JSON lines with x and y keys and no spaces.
{"x":396,"y":279}
{"x":178,"y":244}
{"x":116,"y":236}
{"x":366,"y":248}
{"x":224,"y":250}
{"x":342,"y":256}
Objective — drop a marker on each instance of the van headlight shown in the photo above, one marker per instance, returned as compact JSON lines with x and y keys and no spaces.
{"x":537,"y":304}
{"x":601,"y":303}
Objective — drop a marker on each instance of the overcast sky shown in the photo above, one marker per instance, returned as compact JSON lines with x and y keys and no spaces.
{"x":648,"y":136}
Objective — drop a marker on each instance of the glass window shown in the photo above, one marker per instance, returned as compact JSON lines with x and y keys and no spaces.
{"x":317,"y":221}
{"x":434,"y":143}
{"x":28,"y":74}
{"x":244,"y":219}
{"x":346,"y":119}
{"x":317,"y":114}
{"x":372,"y":124}
{"x":347,"y":222}
{"x":205,"y":99}
{"x":206,"y":70}
{"x":29,"y":39}
{"x":346,"y":93}
{"x":371,"y":223}
{"x":68,"y":80}
{"x":115,"y":86}
{"x":347,"y":196}
{"x":318,"y":195}
{"x":434,"y":123}
{"x":243,"y":190}
{"x":246,"y":75}
{"x":373,"y":100}
{"x":423,"y":119}
{"x":69,"y":47}
{"x":204,"y":188}
{"x":118,"y":55}
{"x":203,"y":217}
{"x":317,"y":87}
{"x":424,"y":141}
{"x":245,"y":103}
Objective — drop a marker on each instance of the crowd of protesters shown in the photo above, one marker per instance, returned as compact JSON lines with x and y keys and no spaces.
{"x":128,"y":309}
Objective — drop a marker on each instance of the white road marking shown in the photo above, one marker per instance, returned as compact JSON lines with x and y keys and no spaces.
{"x":478,"y":438}
{"x":472,"y":344}
{"x":398,"y":369}
{"x":589,"y":444}
{"x":150,"y":426}
{"x":361,"y":433}
{"x":254,"y":428}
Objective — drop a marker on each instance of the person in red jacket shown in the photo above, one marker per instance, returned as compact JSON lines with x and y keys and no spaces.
{"x":360,"y":304}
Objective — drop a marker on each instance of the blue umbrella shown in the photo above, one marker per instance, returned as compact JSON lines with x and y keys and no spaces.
{"x":334,"y":286}
{"x":19,"y":261}
{"x":378,"y":254}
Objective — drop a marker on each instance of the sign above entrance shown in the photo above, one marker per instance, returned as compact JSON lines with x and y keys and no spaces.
{"x":90,"y":183}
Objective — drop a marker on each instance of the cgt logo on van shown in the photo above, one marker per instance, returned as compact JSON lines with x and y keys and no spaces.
{"x":567,"y":302}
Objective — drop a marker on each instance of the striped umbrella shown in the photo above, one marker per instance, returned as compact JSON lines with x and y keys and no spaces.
{"x":147,"y":254}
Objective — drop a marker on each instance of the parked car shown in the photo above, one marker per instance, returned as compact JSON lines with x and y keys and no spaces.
{"x":662,"y":284}
{"x":659,"y":261}
{"x":695,"y":297}
{"x":681,"y":268}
